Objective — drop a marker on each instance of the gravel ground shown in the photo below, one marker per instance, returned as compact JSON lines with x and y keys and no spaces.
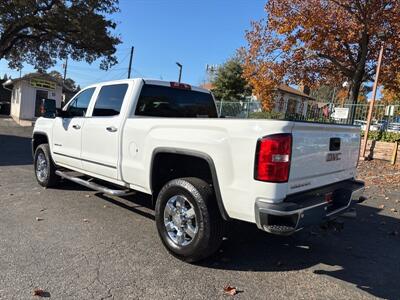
{"x":78,"y":244}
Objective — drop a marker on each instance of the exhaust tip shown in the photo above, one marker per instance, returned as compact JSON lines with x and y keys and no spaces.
{"x":362,"y":199}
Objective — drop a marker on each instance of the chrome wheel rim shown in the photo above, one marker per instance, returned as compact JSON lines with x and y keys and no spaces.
{"x":41,"y":167}
{"x":180,"y":220}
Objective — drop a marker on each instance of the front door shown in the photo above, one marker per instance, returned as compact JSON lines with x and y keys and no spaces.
{"x":101,"y":131}
{"x":40,"y":95}
{"x":67,"y":131}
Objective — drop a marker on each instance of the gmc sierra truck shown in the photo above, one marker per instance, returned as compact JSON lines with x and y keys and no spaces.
{"x":167,"y":140}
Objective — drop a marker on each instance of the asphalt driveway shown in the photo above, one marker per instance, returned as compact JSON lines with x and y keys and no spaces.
{"x":78,"y":244}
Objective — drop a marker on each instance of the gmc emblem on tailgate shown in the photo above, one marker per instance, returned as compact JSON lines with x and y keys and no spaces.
{"x":333,"y":156}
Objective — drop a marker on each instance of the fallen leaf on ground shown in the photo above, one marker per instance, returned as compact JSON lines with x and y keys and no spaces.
{"x":38,"y":292}
{"x":43,"y":209}
{"x":229,"y":290}
{"x":87,"y":196}
{"x":86,"y":220}
{"x":397,"y":201}
{"x":39,"y":219}
{"x":382,"y":206}
{"x":393,"y":210}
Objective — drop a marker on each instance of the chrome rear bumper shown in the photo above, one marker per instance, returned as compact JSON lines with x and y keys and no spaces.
{"x":308,"y":208}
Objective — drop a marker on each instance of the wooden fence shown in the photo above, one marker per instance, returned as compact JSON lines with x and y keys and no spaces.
{"x":381,"y":150}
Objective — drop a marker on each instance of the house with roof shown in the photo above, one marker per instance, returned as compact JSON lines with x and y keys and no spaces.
{"x":27,"y":93}
{"x":287,"y":100}
{"x":292,"y":102}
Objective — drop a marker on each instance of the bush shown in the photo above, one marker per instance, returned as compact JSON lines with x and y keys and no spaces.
{"x":383,"y":136}
{"x":267,"y":115}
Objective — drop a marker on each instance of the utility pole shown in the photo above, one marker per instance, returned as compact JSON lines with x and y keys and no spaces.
{"x":65,"y":69}
{"x":180,"y":71}
{"x":371,"y":104}
{"x":130,"y":63}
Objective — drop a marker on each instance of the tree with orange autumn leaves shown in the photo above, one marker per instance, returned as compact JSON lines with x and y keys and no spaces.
{"x":391,"y":96}
{"x":316,"y":42}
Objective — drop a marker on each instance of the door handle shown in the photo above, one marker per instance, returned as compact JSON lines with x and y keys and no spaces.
{"x":111,"y":129}
{"x":76,"y":126}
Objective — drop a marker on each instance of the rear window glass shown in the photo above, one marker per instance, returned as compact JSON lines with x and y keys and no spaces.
{"x":163,"y":101}
{"x":110,"y":100}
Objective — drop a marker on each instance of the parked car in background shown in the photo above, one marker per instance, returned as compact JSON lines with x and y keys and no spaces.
{"x":375,"y":126}
{"x":4,"y":108}
{"x":393,"y":127}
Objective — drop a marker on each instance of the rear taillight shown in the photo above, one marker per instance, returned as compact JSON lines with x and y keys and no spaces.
{"x":273,"y":154}
{"x":182,"y":86}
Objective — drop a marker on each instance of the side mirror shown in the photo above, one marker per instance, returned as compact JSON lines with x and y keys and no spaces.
{"x":63,"y":113}
{"x":48,"y":108}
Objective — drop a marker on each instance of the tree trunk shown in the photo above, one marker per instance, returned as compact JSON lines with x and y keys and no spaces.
{"x":358,"y":75}
{"x":353,"y":97}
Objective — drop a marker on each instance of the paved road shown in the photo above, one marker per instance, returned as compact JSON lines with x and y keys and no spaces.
{"x":90,"y":246}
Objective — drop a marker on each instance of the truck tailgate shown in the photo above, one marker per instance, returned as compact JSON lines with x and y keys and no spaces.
{"x":322,"y":154}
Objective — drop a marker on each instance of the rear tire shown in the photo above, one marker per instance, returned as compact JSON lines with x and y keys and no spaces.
{"x":45,"y":170}
{"x":188,"y":220}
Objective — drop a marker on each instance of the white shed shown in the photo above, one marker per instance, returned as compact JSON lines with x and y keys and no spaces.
{"x":27,"y":93}
{"x":292,"y":101}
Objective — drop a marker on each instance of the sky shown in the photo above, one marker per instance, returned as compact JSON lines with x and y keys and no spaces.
{"x":163,"y":32}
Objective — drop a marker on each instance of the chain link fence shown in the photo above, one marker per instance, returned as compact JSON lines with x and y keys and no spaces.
{"x":384,"y":117}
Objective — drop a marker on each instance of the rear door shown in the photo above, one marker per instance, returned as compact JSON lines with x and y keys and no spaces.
{"x":101,"y":131}
{"x":67,"y":131}
{"x":322,"y":154}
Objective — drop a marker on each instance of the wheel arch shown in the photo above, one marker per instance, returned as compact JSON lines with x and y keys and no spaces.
{"x":39,"y":138}
{"x":198,"y":155}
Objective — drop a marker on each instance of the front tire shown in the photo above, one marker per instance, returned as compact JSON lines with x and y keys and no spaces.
{"x":45,"y":170}
{"x":188,"y":220}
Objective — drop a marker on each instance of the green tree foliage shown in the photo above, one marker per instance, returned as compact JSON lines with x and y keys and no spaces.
{"x":39,"y":32}
{"x":70,"y":83}
{"x":229,"y":83}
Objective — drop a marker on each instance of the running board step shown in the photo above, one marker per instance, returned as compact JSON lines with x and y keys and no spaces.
{"x":94,"y":186}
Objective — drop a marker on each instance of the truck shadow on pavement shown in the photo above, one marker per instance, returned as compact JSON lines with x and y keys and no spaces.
{"x":366,"y":253}
{"x":15,"y":150}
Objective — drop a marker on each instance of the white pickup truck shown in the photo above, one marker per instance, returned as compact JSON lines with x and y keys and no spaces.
{"x":166,"y":139}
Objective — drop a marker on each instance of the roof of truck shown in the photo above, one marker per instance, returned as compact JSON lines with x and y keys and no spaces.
{"x":154,"y":82}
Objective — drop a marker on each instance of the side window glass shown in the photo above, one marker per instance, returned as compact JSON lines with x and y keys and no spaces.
{"x":110,"y":100}
{"x":79,"y":105}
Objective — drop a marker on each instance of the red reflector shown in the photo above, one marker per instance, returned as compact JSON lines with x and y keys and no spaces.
{"x":328,"y":197}
{"x":273,"y":158}
{"x":42,"y":109}
{"x":182,"y":86}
